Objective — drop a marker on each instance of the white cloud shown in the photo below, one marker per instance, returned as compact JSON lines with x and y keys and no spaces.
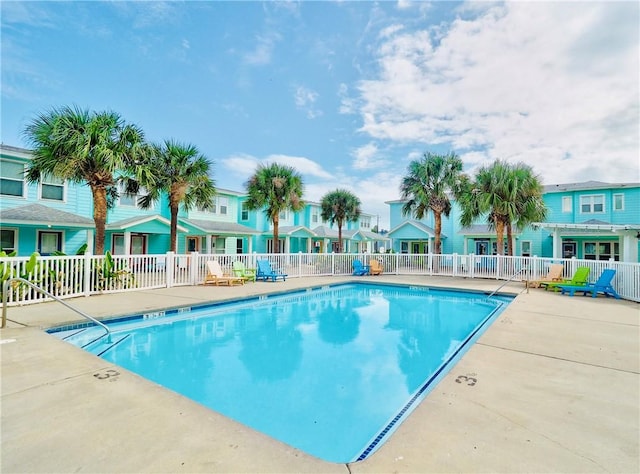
{"x":304,"y":166}
{"x":539,"y":82}
{"x":305,"y":99}
{"x":367,"y":157}
{"x":243,"y":165}
{"x":263,"y":51}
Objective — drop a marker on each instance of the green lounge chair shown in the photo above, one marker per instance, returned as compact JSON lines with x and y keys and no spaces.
{"x":239,"y":270}
{"x":580,"y":278}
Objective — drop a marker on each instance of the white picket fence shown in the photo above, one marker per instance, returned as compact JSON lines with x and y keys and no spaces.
{"x":85,"y":275}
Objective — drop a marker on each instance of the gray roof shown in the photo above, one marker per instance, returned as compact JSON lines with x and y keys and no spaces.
{"x":35,"y":214}
{"x":418,"y":225}
{"x":229,"y":228}
{"x":367,"y":235}
{"x":327,"y":232}
{"x":586,"y":185}
{"x":478,"y":229}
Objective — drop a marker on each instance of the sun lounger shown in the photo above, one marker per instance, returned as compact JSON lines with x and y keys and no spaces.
{"x":265,"y":272}
{"x":216,"y":276}
{"x":602,"y":285}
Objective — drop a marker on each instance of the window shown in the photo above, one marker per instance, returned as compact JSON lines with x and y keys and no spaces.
{"x":8,"y":240}
{"x":618,"y":202}
{"x":601,"y":251}
{"x":567,"y":204}
{"x":11,"y":178}
{"x":314,"y":216}
{"x":525,"y":248}
{"x":245,"y":212}
{"x":52,"y":188}
{"x":223,"y":204}
{"x":130,"y":200}
{"x":49,"y":242}
{"x":592,"y":204}
{"x":365,"y":223}
{"x":284,"y":215}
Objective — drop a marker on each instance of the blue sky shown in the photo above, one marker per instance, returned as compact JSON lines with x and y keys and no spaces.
{"x":346,"y":92}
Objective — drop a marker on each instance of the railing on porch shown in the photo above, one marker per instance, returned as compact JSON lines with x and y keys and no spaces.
{"x":85,"y":275}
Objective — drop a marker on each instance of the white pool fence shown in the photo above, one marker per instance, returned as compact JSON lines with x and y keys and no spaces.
{"x":86,"y":275}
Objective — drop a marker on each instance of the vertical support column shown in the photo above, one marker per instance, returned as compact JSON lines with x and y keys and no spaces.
{"x":193,"y":268}
{"x":557,"y":243}
{"x":170,"y":269}
{"x":86,"y":280}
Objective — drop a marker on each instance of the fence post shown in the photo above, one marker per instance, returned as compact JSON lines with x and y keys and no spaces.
{"x":193,"y":268}
{"x":86,"y":277}
{"x":170,"y":268}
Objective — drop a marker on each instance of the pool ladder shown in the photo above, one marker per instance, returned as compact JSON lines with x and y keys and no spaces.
{"x":505,"y":283}
{"x":5,"y":290}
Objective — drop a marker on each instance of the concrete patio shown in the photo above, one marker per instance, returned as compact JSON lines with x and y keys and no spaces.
{"x":558,"y":390}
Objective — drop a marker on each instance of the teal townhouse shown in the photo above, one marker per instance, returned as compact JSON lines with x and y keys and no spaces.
{"x":54,"y":216}
{"x":590,"y":220}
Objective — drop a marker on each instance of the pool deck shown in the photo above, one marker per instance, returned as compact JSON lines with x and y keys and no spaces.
{"x":557,"y":389}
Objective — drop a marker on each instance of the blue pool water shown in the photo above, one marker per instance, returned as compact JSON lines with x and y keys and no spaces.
{"x":331,"y":371}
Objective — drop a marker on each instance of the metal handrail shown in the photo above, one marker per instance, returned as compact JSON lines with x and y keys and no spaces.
{"x":5,"y":291}
{"x":510,"y":278}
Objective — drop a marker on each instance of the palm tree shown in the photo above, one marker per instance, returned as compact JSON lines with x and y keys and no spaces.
{"x":338,"y":207}
{"x":528,"y":206}
{"x":84,"y":147}
{"x":507,"y":195}
{"x":274,"y":188}
{"x":180,"y":171}
{"x":488,"y":195}
{"x":428,"y":185}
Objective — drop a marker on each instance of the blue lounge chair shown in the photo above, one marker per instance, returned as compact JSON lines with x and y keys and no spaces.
{"x":265,"y":272}
{"x":603,"y":285}
{"x":359,"y":269}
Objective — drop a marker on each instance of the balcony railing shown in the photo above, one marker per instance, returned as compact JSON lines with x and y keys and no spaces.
{"x":86,"y":275}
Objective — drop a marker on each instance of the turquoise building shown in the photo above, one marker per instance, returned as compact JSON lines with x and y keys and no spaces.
{"x":591,"y":220}
{"x":55,"y":216}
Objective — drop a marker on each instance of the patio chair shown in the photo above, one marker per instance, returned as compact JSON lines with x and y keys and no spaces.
{"x":216,"y":276}
{"x":265,"y":272}
{"x":240,"y":271}
{"x":580,"y":278}
{"x":375,"y":267}
{"x":602,"y":285}
{"x":359,"y":269}
{"x":555,"y":274}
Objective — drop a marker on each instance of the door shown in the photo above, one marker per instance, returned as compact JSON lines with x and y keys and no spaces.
{"x":482,"y":247}
{"x":568,"y":249}
{"x":49,"y":242}
{"x":193,"y":244}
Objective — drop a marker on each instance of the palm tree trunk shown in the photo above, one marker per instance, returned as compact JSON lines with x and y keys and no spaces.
{"x":509,"y":240}
{"x":99,"y":216}
{"x":339,"y":237}
{"x":437,"y":241}
{"x":174,"y":227}
{"x":500,"y":236}
{"x":276,"y":234}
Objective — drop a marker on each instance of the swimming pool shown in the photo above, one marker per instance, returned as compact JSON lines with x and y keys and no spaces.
{"x":331,"y":371}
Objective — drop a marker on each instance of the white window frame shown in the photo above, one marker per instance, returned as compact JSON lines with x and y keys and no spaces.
{"x":22,"y":194}
{"x":590,"y":200}
{"x":141,"y":192}
{"x":524,"y":243}
{"x":223,"y":205}
{"x":567,"y":203}
{"x":619,"y":196}
{"x":244,"y":211}
{"x":62,"y":185}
